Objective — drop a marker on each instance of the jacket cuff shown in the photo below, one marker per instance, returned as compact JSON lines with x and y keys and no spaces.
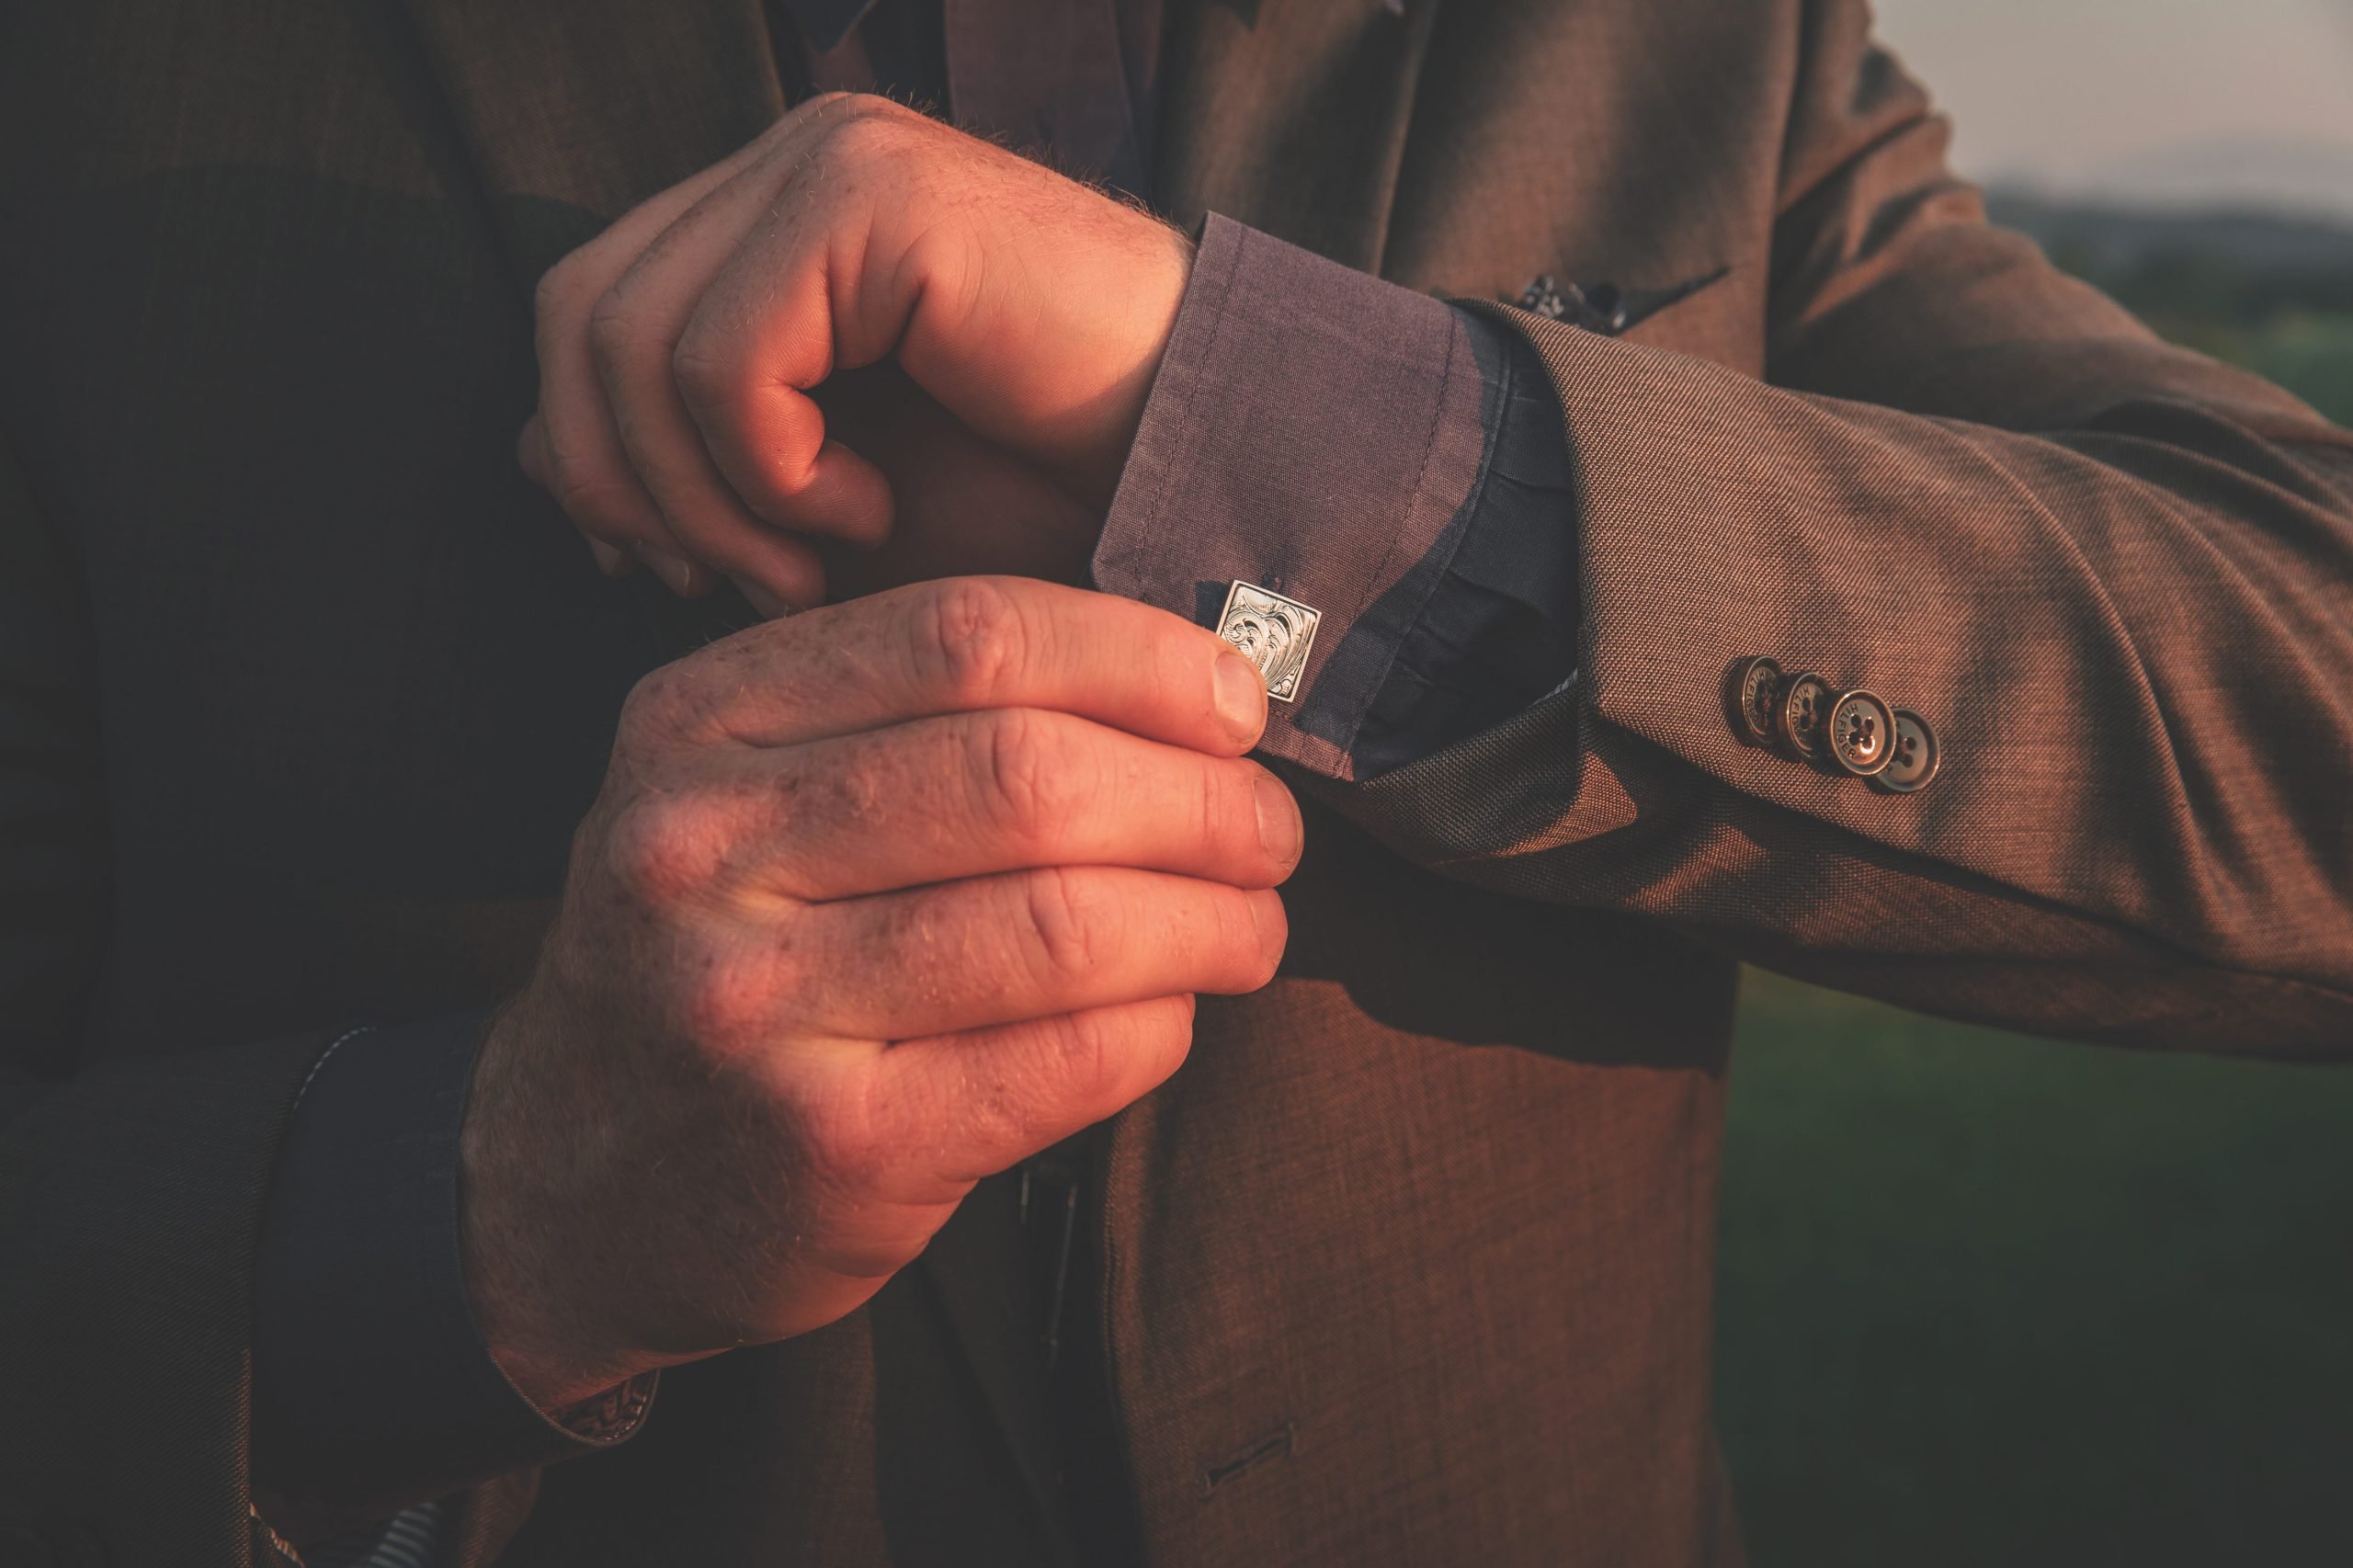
{"x":372,"y":1385}
{"x":1314,"y":431}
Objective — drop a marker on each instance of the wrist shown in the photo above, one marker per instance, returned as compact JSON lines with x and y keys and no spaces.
{"x":1163,"y":273}
{"x":541,"y":1294}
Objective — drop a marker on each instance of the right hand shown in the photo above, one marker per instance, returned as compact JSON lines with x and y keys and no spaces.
{"x":875,"y":902}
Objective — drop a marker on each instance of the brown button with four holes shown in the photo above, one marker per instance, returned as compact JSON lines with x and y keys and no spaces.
{"x":1859,"y":734}
{"x":1756,"y":686}
{"x":1855,"y":732}
{"x":1911,"y":760}
{"x":1797,"y":714}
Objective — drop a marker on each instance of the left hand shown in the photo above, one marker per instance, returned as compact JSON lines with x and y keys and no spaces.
{"x":1026,"y":313}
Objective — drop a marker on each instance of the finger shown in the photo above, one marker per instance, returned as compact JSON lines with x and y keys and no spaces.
{"x":610,"y":561}
{"x":744,"y":370}
{"x":744,"y":375}
{"x":685,"y":577}
{"x":974,"y":794}
{"x":1028,"y":945}
{"x":989,"y":1099}
{"x":633,"y":333}
{"x":760,"y":599}
{"x":531,"y":451}
{"x":903,"y":237}
{"x":958,"y":645}
{"x":579,"y":460}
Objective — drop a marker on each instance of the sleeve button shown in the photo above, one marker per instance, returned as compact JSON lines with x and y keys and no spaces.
{"x":1859,"y":734}
{"x":1797,"y":715}
{"x":1756,"y":687}
{"x":1911,"y":760}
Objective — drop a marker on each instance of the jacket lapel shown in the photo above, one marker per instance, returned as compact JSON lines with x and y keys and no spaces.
{"x":572,"y":114}
{"x":1289,"y":116}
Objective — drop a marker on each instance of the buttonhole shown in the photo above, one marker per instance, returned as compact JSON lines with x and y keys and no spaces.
{"x":1275,"y":1445}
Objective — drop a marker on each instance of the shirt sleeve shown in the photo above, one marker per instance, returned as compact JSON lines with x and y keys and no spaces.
{"x":373,"y":1388}
{"x":1395,"y":465}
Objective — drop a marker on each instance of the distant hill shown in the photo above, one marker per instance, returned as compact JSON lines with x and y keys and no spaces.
{"x":2130,"y":236}
{"x":2307,"y":178}
{"x":2233,"y":266}
{"x":2270,"y":293}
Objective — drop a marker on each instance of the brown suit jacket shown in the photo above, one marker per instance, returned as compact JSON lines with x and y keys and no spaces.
{"x":1412,"y":1263}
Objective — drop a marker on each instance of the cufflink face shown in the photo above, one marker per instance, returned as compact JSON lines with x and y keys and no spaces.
{"x":1272,"y":632}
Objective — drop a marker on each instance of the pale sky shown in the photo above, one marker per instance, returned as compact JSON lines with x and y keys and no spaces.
{"x":2133,"y":97}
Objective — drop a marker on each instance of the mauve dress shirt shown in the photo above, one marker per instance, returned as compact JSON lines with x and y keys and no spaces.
{"x":1392,"y":461}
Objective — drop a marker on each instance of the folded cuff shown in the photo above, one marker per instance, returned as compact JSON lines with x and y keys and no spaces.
{"x":1314,"y":431}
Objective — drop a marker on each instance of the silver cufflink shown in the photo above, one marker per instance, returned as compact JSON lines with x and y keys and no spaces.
{"x":1272,"y":632}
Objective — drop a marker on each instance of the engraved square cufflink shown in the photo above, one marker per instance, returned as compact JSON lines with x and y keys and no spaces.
{"x":1272,"y":632}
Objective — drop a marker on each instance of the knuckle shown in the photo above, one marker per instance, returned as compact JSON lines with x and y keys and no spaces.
{"x":725,"y":1006}
{"x":735,"y":1001}
{"x":612,"y":329}
{"x":1228,"y":805}
{"x":817,"y":106}
{"x":1027,"y":776}
{"x":865,"y":126}
{"x":1088,"y":1046}
{"x":840,"y":1146}
{"x":655,"y":705}
{"x":664,"y":850}
{"x":1028,"y":1097}
{"x":709,"y":373}
{"x":596,"y":500}
{"x":853,"y":787}
{"x":558,"y":289}
{"x":970,"y":636}
{"x":999,"y":1112}
{"x":1064,"y":923}
{"x":709,"y":538}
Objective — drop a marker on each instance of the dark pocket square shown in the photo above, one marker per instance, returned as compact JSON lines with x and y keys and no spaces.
{"x":1604,"y":308}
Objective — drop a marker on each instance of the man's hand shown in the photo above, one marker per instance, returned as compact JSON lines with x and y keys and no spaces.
{"x":679,"y":350}
{"x":875,"y":902}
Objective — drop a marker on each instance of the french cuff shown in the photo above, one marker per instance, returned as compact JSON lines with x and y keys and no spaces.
{"x":1313,"y":434}
{"x":372,"y":1384}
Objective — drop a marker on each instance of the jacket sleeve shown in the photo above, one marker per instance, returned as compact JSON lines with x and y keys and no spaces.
{"x":132,"y":1192}
{"x":2116,"y":577}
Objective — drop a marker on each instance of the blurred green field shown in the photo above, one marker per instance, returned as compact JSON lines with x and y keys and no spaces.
{"x":1989,"y":1299}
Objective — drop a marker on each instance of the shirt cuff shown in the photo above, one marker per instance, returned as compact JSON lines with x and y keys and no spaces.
{"x":1314,"y":431}
{"x":1330,"y":436}
{"x":372,"y":1385}
{"x":1500,"y":633}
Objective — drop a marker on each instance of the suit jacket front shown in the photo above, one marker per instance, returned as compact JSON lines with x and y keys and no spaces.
{"x":1411,"y":1264}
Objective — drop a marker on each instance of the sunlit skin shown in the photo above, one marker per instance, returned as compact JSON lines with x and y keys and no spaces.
{"x":690,"y":357}
{"x":887,"y":896}
{"x":876,"y":901}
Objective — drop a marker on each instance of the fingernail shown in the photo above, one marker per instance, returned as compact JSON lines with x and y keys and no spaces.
{"x":1241,"y":696}
{"x":759,"y":598}
{"x":1278,"y":826}
{"x":679,"y":574}
{"x":610,"y":561}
